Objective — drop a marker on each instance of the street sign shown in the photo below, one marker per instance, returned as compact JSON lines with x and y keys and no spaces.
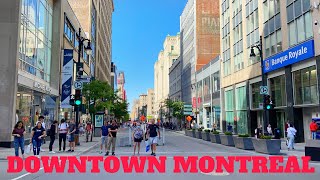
{"x":264,"y":90}
{"x":78,"y":85}
{"x":187,"y":113}
{"x":84,"y":79}
{"x":187,"y":109}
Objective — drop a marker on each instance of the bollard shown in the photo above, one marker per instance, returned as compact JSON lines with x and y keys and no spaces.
{"x":130,"y":141}
{"x":163,"y":136}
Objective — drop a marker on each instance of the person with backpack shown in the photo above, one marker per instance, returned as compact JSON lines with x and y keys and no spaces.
{"x":137,"y":136}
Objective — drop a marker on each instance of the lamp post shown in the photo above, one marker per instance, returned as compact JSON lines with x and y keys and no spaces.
{"x":79,"y":68}
{"x":264,"y":79}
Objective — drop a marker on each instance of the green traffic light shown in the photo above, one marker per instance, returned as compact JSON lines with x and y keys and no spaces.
{"x":78,"y":102}
{"x":269,"y":107}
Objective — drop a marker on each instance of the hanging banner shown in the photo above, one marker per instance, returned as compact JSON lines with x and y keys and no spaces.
{"x":67,"y":72}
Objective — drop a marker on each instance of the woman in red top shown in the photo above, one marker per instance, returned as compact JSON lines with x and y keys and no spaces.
{"x":18,"y":133}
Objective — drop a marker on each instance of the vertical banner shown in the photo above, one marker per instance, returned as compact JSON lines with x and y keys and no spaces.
{"x":67,"y":72}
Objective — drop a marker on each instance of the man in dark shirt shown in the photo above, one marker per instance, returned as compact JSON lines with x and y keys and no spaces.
{"x":52,"y":134}
{"x":112,"y":131}
{"x":104,"y":135}
{"x":72,"y":130}
{"x":153,"y":133}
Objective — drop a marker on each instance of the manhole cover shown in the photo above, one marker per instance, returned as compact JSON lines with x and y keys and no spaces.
{"x":216,"y":174}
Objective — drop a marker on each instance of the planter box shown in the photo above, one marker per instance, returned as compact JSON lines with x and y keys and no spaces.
{"x":267,"y":146}
{"x":215,"y":138}
{"x":243,"y":142}
{"x":206,"y":136}
{"x":199,"y":134}
{"x":226,"y":140}
{"x":190,"y":133}
{"x":312,"y":149}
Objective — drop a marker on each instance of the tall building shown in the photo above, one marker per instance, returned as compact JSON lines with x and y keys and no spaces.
{"x":37,"y":40}
{"x":170,"y":52}
{"x":114,"y":77}
{"x":142,"y":105}
{"x":290,"y":48}
{"x":96,"y":19}
{"x":150,"y":104}
{"x":121,"y":90}
{"x":135,"y":110}
{"x":200,"y":43}
{"x":175,"y":80}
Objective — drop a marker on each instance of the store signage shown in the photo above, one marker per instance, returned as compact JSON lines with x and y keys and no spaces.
{"x":296,"y":54}
{"x":67,"y":72}
{"x":41,"y":87}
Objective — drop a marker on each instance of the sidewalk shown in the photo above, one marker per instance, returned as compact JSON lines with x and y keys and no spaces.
{"x":81,"y":149}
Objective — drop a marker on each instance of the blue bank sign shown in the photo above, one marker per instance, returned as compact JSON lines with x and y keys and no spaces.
{"x":299,"y":53}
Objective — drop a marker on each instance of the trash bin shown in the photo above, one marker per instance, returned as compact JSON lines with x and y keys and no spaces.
{"x":277,"y":133}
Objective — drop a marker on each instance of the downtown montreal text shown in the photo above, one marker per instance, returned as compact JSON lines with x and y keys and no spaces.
{"x":150,"y":164}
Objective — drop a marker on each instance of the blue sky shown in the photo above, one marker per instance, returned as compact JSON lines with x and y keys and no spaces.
{"x":139,"y":28}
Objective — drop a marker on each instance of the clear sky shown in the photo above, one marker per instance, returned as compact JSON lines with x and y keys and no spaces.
{"x":139,"y":28}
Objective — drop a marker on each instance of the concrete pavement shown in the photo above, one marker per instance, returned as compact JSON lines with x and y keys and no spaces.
{"x":176,"y":145}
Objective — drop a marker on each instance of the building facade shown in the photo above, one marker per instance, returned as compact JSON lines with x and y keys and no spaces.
{"x":142,"y":110}
{"x":121,"y":90}
{"x":150,"y":104}
{"x":96,"y":19}
{"x":290,"y":49}
{"x":175,"y":80}
{"x":134,"y":114}
{"x":170,"y":52}
{"x":200,"y":42}
{"x":114,"y":77}
{"x":208,"y":95}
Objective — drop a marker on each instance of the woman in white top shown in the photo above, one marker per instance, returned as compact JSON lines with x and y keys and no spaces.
{"x":269,"y":129}
{"x":291,"y":133}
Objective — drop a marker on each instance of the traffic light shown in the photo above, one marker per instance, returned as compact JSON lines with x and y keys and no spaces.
{"x":268,"y":105}
{"x":78,"y":98}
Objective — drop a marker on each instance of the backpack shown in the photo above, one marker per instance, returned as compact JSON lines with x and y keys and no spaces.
{"x":138,"y":133}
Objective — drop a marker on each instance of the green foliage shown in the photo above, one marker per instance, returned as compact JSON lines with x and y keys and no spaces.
{"x":228,"y":133}
{"x":244,"y":135}
{"x":175,"y":109}
{"x":265,"y":137}
{"x":200,"y":129}
{"x":104,"y":98}
{"x":193,"y":129}
{"x":207,"y":130}
{"x":215,"y":132}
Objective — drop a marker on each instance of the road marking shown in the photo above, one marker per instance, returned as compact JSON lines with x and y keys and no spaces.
{"x":216,"y":174}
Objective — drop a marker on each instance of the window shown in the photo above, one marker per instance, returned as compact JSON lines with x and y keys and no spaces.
{"x":241,"y":107}
{"x":305,"y":86}
{"x":272,"y":27}
{"x":257,"y":98}
{"x":278,"y":91}
{"x":69,"y":31}
{"x":238,"y":36}
{"x":229,"y":107}
{"x":216,"y":82}
{"x":299,"y":21}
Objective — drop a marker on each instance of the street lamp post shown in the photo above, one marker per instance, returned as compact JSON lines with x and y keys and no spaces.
{"x":264,"y":78}
{"x":79,"y":68}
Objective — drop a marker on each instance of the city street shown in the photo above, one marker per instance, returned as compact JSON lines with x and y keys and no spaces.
{"x":175,"y":145}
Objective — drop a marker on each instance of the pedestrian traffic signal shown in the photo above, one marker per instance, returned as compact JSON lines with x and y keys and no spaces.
{"x":78,"y":98}
{"x":268,"y":105}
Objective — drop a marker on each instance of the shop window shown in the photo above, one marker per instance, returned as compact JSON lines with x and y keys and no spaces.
{"x":305,"y":86}
{"x":257,"y":98}
{"x":241,"y":107}
{"x":278,"y":91}
{"x":229,"y":107}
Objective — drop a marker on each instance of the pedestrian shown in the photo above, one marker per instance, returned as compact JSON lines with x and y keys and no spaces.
{"x":137,"y":136}
{"x":153,"y":134}
{"x":258,"y":131}
{"x":104,"y":136}
{"x":43,"y":124}
{"x":214,"y":127}
{"x":291,"y":132}
{"x":18,"y":134}
{"x":37,"y":134}
{"x":52,"y":134}
{"x":88,"y":130}
{"x":313,"y":129}
{"x":112,"y":131}
{"x":72,"y":130}
{"x":63,"y":130}
{"x":269,"y":130}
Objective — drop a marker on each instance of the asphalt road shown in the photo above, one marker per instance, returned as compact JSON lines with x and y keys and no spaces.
{"x":176,"y":145}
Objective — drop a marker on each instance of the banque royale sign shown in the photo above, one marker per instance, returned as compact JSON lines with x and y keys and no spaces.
{"x":296,"y":54}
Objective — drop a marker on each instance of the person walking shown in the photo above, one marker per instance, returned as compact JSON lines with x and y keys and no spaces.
{"x":72,"y":130}
{"x":137,"y":136}
{"x":37,"y":134}
{"x":269,"y":130}
{"x":63,"y":130}
{"x":18,"y":134}
{"x":52,"y":134}
{"x":313,"y":129}
{"x":104,"y":136}
{"x":291,"y":132}
{"x":43,"y":124}
{"x":153,"y":134}
{"x":112,"y":131}
{"x":88,"y":130}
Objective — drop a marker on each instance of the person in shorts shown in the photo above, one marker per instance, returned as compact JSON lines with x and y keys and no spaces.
{"x":153,"y":133}
{"x":72,"y":130}
{"x":137,"y":137}
{"x":104,"y":135}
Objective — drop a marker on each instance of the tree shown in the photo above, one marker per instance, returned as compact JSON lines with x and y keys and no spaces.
{"x":120,"y":109}
{"x":176,"y":108}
